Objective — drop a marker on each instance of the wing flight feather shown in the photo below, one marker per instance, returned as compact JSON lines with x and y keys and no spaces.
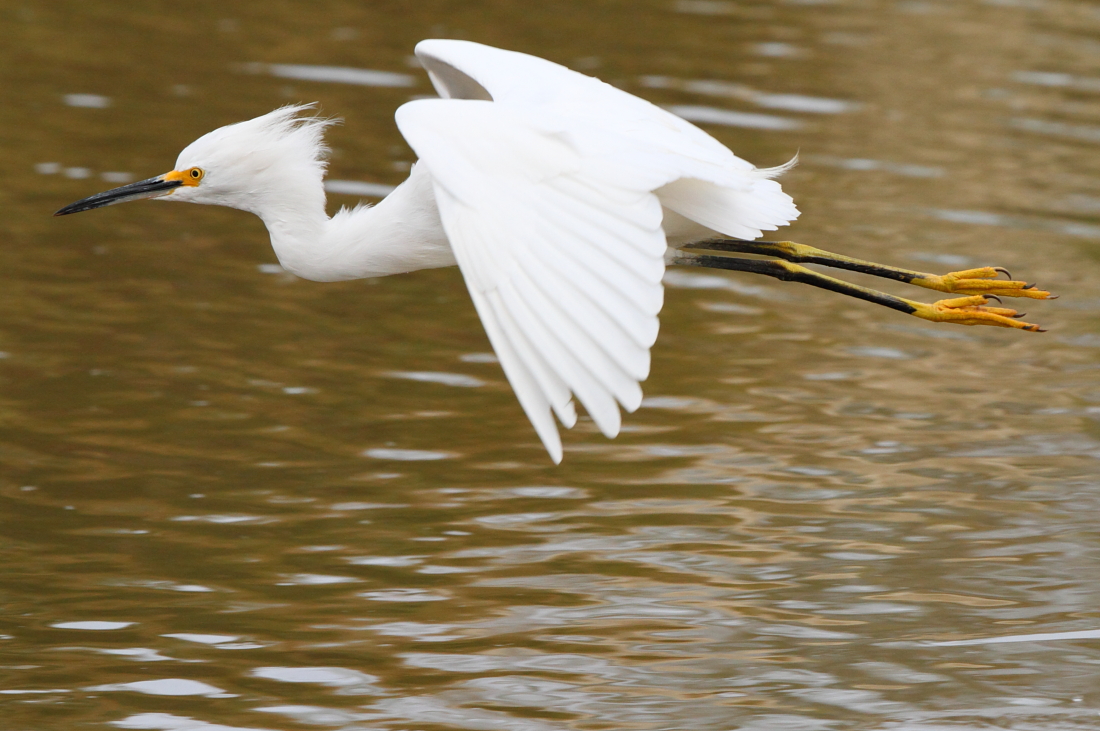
{"x":550,"y":186}
{"x":565,"y":276}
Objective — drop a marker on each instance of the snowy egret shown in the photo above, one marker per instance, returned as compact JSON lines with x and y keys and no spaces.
{"x":560,"y":198}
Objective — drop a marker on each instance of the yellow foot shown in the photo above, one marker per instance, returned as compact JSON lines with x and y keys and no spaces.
{"x":971,"y":311}
{"x":984,"y":280}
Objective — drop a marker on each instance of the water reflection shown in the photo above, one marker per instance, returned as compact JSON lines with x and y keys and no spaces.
{"x":913,"y":171}
{"x":357,"y":187}
{"x":789,"y":102}
{"x":335,"y":74}
{"x":165,"y":686}
{"x":1062,"y":80}
{"x":730,"y":118}
{"x":90,"y":101}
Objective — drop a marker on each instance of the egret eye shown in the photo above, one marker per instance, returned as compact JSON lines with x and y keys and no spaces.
{"x":195,"y":174}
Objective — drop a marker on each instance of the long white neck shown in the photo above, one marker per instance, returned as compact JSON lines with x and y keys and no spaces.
{"x":402,"y":233}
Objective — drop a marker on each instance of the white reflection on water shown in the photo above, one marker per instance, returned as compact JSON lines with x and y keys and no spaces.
{"x":446,"y":570}
{"x":400,"y":561}
{"x":166,"y":686}
{"x":679,"y":279}
{"x":403,"y":595}
{"x":315,"y":715}
{"x":350,"y":682}
{"x":224,"y":519}
{"x":871,"y":351}
{"x":408,"y":455}
{"x":730,"y":308}
{"x":333,"y":74}
{"x":316,"y":580}
{"x":420,"y":631}
{"x":547,"y":492}
{"x":163,"y":585}
{"x":458,"y":380}
{"x":1053,"y":78}
{"x":169,"y":722}
{"x":92,"y":625}
{"x":358,"y":187}
{"x":788,"y":102}
{"x":776,"y":49}
{"x":986,"y":218}
{"x":203,"y":638}
{"x":437,"y":710}
{"x":730,"y":118}
{"x":863,"y":164}
{"x":88,"y":101}
{"x":137,"y":654}
{"x":1088,"y":634}
{"x":1083,"y":132}
{"x":478,"y":358}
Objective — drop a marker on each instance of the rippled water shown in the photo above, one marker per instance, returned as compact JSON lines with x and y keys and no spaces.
{"x":236,"y":500}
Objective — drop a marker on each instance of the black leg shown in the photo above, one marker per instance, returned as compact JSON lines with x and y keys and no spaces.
{"x":793,"y":273}
{"x":963,"y":310}
{"x":983,"y":280}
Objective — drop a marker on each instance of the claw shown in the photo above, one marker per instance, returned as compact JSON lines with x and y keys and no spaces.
{"x":972,"y":310}
{"x":983,"y":280}
{"x":994,"y":297}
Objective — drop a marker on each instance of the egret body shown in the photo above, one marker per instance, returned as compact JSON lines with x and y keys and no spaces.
{"x":561,"y":199}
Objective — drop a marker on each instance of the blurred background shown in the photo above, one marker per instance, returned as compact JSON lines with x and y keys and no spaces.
{"x":231,"y":499}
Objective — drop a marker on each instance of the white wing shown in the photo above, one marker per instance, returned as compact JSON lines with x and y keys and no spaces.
{"x":545,"y":181}
{"x":700,"y":178}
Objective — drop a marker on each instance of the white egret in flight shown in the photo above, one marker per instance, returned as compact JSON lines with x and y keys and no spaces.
{"x":560,"y":198}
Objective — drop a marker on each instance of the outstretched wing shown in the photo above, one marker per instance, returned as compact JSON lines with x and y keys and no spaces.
{"x":547,"y":183}
{"x":562,"y":258}
{"x":599,"y":118}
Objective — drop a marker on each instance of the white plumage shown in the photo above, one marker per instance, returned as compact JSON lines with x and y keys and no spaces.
{"x":557,"y":195}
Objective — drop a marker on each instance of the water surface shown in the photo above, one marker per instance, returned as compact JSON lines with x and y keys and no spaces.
{"x":232,"y":499}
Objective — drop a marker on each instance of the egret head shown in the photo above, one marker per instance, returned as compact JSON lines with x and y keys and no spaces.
{"x":242,"y":165}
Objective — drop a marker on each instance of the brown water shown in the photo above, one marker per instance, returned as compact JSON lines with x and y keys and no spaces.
{"x":227,"y":505}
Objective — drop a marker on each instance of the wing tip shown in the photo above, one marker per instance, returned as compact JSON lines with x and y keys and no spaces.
{"x":551,"y":441}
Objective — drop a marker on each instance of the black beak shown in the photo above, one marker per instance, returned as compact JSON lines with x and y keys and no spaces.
{"x":151,"y":188}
